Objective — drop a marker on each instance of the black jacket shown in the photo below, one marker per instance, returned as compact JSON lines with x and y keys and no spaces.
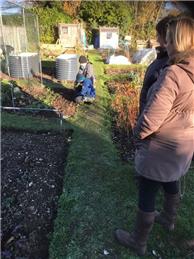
{"x":152,"y":74}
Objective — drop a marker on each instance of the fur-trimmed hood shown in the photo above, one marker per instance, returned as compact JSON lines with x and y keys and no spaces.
{"x":181,"y":57}
{"x":184,"y":60}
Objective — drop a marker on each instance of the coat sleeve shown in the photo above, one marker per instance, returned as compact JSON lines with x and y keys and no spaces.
{"x":149,"y":80}
{"x":158,"y":106}
{"x":89,"y":70}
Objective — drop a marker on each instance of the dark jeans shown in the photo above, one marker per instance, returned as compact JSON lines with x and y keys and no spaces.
{"x":148,"y":190}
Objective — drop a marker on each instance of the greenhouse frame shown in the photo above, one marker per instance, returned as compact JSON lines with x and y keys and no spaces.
{"x":19,"y":34}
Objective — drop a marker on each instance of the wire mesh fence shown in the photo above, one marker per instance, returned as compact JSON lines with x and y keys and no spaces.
{"x":19,"y":35}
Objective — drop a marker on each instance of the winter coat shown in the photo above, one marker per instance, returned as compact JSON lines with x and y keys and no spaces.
{"x":152,"y":74}
{"x":166,"y":126}
{"x":87,"y":89}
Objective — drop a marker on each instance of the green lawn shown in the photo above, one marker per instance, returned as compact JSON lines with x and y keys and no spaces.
{"x":31,"y":123}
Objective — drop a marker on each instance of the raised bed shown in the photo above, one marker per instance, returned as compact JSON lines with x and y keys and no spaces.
{"x":32,"y":179}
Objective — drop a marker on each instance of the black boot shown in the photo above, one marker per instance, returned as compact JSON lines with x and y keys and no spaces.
{"x":137,"y":239}
{"x":167,"y":216}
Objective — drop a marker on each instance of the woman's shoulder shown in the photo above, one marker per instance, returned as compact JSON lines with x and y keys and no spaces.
{"x":181,"y":74}
{"x":173,"y":71}
{"x":181,"y":68}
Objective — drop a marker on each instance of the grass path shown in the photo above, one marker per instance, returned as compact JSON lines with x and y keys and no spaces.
{"x":94,"y":178}
{"x":99,"y":194}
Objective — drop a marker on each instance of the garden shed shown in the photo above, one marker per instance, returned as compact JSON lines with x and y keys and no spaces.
{"x":109,"y":37}
{"x":71,"y":35}
{"x":19,"y":36}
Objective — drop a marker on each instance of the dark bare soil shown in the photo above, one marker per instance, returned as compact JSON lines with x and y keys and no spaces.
{"x":124,"y":143}
{"x":32,"y":180}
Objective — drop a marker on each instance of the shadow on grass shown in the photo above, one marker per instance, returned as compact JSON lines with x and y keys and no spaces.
{"x":48,"y":67}
{"x":67,"y":93}
{"x":49,"y":80}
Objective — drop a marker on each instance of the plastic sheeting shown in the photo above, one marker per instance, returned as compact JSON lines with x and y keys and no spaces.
{"x":118,"y":60}
{"x":144,"y":56}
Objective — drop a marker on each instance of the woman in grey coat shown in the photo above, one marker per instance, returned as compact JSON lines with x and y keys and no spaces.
{"x":165,"y":136}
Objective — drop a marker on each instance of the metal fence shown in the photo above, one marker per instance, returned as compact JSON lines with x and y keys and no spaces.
{"x":19,"y":37}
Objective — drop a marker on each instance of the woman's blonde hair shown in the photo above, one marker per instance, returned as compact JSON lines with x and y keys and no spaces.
{"x":180,"y":33}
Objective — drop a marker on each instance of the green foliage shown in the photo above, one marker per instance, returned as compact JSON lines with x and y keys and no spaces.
{"x":136,"y":79}
{"x":12,"y":20}
{"x":145,"y":16}
{"x":50,"y":4}
{"x":48,"y":22}
{"x":137,"y":18}
{"x":106,"y":13}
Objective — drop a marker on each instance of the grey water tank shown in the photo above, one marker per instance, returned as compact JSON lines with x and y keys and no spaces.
{"x":23,"y":65}
{"x":67,"y":67}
